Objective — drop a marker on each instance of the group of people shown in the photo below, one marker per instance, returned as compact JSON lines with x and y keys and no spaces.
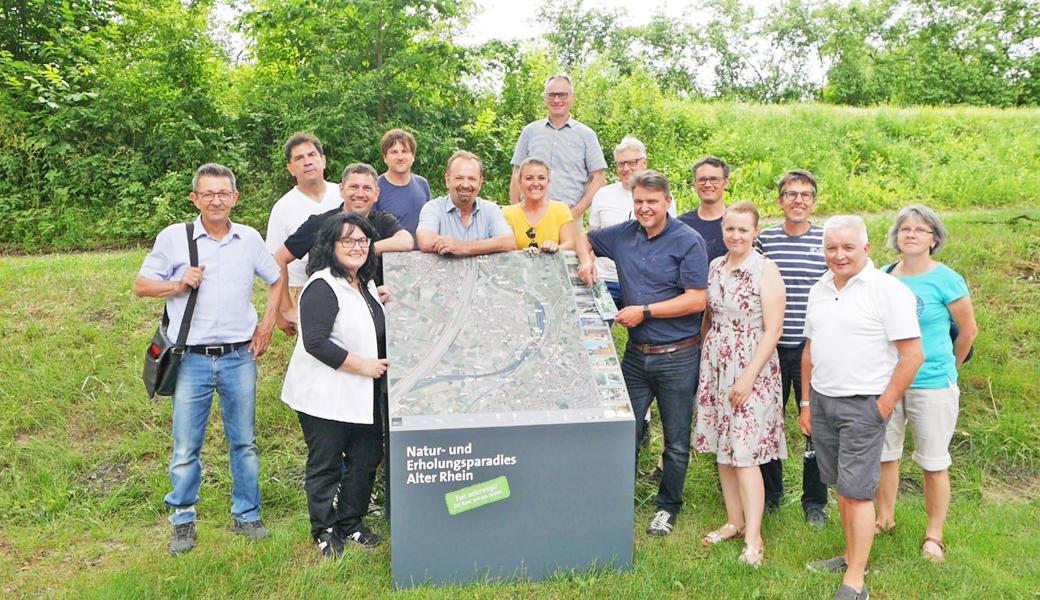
{"x":725,"y":321}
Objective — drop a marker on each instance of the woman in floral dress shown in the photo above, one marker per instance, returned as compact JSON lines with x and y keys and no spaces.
{"x":739,"y":415}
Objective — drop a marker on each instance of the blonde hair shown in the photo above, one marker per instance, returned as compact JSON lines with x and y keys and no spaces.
{"x":743,"y":207}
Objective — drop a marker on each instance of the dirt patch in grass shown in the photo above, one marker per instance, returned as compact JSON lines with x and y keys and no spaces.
{"x":103,"y":317}
{"x":1012,"y":488}
{"x":107,"y":478}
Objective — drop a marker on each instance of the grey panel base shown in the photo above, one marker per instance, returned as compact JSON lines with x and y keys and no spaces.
{"x":569,"y":507}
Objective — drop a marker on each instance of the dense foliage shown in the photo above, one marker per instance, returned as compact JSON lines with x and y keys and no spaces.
{"x":107,"y":106}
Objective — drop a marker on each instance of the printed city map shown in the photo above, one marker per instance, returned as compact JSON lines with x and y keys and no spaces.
{"x":504,"y":339}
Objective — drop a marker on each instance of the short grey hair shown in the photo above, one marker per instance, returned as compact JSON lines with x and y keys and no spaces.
{"x":630,"y":143}
{"x":929,"y":217}
{"x":212,"y":170}
{"x":852,"y":222}
{"x":652,"y":180}
{"x":361,"y":169}
{"x":552,"y":78}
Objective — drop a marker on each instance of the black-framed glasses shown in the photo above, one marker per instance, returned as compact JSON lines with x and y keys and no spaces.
{"x":792,"y":196}
{"x":917,"y":231}
{"x":703,"y":181}
{"x":557,"y":95}
{"x":350,"y":242}
{"x":530,"y":234}
{"x":631,"y":164}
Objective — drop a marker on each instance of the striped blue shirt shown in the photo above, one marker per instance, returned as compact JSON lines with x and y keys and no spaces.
{"x":801,"y":263}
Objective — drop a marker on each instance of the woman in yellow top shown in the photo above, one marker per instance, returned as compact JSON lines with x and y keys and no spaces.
{"x":539,"y":224}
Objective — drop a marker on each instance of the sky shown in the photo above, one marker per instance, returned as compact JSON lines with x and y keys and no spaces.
{"x":515,"y":19}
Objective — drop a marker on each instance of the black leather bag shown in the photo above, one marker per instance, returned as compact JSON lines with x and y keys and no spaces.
{"x":162,"y":357}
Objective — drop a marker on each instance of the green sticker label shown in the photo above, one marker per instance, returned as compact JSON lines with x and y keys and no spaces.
{"x":477,"y":495}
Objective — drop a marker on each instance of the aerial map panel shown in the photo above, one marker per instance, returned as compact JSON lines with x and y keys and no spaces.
{"x":505,"y":339}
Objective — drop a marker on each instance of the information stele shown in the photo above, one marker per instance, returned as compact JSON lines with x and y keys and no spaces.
{"x":511,"y":435}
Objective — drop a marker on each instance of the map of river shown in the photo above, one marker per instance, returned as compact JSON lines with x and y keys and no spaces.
{"x":504,"y":339}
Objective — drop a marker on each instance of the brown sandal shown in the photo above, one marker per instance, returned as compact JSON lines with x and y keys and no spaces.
{"x":935,"y":558}
{"x":881,"y":530}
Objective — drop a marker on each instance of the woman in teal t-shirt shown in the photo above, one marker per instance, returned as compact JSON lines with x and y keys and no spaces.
{"x":931,"y":404}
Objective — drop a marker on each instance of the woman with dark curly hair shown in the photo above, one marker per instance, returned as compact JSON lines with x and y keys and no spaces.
{"x":336,"y":380}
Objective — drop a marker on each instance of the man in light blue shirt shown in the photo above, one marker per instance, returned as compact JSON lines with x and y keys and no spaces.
{"x":223,"y":343}
{"x":571,"y":148}
{"x":462,"y":223}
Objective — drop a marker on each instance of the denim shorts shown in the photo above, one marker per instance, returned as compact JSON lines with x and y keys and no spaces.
{"x":848,"y":433}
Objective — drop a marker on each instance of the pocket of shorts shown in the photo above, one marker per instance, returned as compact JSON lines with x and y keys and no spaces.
{"x":877,"y":411}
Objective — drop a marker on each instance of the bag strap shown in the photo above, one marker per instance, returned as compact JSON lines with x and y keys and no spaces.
{"x":891,"y":267}
{"x":193,"y":259}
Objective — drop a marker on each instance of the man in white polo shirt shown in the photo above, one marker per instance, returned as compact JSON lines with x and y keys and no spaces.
{"x":862,"y":350}
{"x":312,"y":195}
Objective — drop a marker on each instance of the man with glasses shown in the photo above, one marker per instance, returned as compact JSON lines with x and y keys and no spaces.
{"x":710,"y":180}
{"x":462,"y":223}
{"x":312,"y":195}
{"x":570,"y":148}
{"x":359,"y":190}
{"x":796,"y":246}
{"x":223,"y":344}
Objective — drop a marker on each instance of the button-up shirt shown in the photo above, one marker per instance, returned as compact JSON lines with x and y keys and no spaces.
{"x":442,"y":217}
{"x":224,"y":311}
{"x":654,"y":270}
{"x":572,"y":151}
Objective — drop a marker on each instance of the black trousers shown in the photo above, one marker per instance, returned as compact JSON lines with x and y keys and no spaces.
{"x":814,"y":492}
{"x":337,"y":496}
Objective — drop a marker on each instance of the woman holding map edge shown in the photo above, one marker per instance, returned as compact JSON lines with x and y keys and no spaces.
{"x":336,"y":380}
{"x":539,"y":224}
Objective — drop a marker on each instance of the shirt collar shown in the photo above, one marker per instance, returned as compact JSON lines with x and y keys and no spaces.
{"x":869,"y":272}
{"x":547,"y":123}
{"x":234,"y":229}
{"x":452,"y":208}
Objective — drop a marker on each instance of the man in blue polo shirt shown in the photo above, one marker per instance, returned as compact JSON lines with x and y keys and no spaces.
{"x":663,"y":270}
{"x":223,"y":343}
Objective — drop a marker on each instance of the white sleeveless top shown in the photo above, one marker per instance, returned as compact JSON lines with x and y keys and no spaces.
{"x":311,"y":386}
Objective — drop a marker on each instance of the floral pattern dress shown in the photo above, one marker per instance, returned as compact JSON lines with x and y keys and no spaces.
{"x":753,"y":433}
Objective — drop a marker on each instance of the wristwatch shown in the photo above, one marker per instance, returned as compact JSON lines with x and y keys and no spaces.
{"x":646,"y":312}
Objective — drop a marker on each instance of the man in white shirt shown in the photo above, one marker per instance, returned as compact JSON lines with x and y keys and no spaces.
{"x":312,"y":195}
{"x":862,"y":351}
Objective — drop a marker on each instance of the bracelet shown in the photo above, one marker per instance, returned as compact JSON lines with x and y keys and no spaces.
{"x":803,"y":404}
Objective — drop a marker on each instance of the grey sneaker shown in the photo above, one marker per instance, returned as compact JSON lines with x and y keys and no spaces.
{"x":662,"y":523}
{"x":253,"y":530}
{"x":816,"y":518}
{"x":832,"y":565}
{"x":847,"y":593}
{"x":183,"y":538}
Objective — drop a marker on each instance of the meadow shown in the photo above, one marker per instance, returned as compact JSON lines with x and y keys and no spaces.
{"x":83,"y":458}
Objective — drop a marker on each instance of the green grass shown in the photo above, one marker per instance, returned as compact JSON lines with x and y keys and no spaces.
{"x":83,"y":461}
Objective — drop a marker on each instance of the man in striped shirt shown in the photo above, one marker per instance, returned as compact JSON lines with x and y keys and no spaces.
{"x":796,"y":246}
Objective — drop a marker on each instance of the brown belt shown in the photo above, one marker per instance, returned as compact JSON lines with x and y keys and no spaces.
{"x":666,"y":348}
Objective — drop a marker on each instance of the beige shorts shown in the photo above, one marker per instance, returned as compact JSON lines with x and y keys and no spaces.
{"x":932,"y":415}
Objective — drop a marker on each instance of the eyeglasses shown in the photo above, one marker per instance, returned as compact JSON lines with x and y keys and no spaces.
{"x":530,"y":234}
{"x":703,"y":181}
{"x":630,"y":164}
{"x":792,"y":196}
{"x":557,"y":95}
{"x":208,"y":197}
{"x":348,"y":242}
{"x":917,"y":231}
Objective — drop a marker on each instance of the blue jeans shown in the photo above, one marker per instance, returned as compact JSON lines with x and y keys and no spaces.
{"x":233,"y":376}
{"x":672,"y":379}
